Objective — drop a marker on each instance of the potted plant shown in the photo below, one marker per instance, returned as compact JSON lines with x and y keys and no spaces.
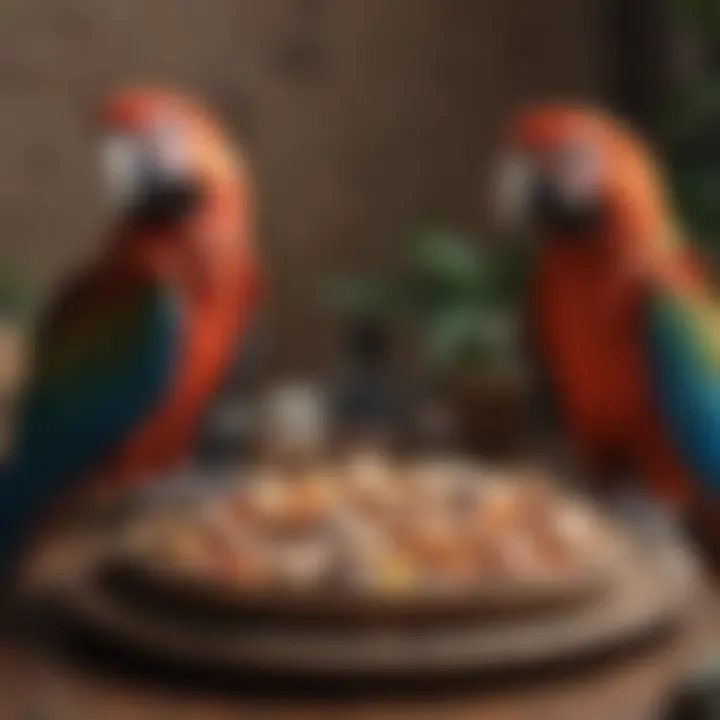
{"x":691,"y":137}
{"x":367,"y":401}
{"x":462,"y":304}
{"x":466,"y":301}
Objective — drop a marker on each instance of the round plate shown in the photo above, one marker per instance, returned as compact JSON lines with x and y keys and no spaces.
{"x":187,"y":596}
{"x":647,"y":593}
{"x":144,"y":581}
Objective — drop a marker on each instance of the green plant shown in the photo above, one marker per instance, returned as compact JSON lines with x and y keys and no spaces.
{"x":462,"y":301}
{"x":692,"y":141}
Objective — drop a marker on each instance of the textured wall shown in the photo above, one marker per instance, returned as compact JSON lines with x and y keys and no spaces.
{"x":362,"y":117}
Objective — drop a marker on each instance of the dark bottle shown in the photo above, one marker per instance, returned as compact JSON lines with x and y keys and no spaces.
{"x":367,"y":400}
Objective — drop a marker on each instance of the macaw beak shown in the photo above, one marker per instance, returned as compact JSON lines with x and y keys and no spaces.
{"x":148,"y":177}
{"x":531,"y":200}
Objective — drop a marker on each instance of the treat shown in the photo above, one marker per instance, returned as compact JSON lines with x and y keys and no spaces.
{"x":371,"y":526}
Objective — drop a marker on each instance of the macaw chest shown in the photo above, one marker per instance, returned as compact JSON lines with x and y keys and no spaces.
{"x":590,"y":346}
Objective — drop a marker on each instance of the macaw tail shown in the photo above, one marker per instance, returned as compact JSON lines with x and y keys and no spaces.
{"x":685,"y":365}
{"x":14,"y":511}
{"x":23,"y":507}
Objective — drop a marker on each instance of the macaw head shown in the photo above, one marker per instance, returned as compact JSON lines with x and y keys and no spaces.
{"x":576,"y":175}
{"x":161,"y":154}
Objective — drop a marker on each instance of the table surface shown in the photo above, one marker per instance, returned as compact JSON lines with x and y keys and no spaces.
{"x":36,"y":685}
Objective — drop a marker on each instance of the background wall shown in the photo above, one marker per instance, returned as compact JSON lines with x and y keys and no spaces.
{"x":362,"y":118}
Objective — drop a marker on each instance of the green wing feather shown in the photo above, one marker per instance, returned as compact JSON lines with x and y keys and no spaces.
{"x":105,"y":363}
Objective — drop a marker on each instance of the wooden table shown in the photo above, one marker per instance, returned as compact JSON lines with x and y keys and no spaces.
{"x":35,"y":685}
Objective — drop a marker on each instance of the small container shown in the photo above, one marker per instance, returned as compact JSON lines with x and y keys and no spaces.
{"x":295,"y":425}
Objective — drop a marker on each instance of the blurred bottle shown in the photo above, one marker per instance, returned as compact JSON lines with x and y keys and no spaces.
{"x":369,"y":401}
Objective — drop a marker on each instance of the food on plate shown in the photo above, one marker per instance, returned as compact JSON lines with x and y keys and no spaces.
{"x":376,"y":527}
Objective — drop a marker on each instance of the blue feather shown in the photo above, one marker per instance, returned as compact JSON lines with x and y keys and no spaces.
{"x":686,"y":382}
{"x":99,"y":377}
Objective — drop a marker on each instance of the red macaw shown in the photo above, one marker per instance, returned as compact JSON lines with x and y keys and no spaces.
{"x":591,"y":195}
{"x":131,"y":354}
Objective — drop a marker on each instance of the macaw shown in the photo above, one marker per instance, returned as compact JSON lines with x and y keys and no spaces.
{"x":611,"y":314}
{"x":130,"y":355}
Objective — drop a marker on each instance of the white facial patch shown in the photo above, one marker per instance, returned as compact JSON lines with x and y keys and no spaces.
{"x":168,"y":152}
{"x":131,"y":163}
{"x":512,"y":192}
{"x":576,"y":173}
{"x":121,"y":167}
